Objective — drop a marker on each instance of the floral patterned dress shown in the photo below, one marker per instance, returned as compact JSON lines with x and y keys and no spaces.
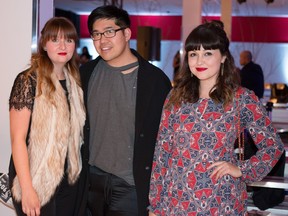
{"x":195,"y":135}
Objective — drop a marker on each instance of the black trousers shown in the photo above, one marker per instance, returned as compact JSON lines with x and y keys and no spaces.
{"x":110,"y":195}
{"x":62,"y":203}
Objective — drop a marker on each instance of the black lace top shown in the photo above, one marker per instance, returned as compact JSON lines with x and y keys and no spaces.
{"x":23,"y":91}
{"x":22,"y":96}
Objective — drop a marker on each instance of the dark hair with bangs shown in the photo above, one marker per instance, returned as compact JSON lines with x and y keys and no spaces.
{"x":110,"y":12}
{"x":40,"y":61}
{"x":211,"y":36}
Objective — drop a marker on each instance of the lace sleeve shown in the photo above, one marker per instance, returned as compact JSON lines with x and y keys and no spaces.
{"x":23,"y":92}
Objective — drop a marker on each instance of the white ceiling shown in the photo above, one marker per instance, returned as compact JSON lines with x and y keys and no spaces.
{"x":174,"y":7}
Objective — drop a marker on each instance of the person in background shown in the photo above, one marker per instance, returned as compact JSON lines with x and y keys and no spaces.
{"x":85,"y":56}
{"x":195,"y":168}
{"x":124,"y":96}
{"x":251,"y":74}
{"x":253,"y":79}
{"x":176,"y":63}
{"x":47,"y":116}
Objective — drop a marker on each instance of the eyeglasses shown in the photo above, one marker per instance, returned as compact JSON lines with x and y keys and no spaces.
{"x":108,"y":34}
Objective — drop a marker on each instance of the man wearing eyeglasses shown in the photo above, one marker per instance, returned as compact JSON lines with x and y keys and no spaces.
{"x":124,"y":96}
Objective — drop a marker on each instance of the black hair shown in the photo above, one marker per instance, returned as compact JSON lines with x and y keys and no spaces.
{"x":210,"y":35}
{"x":120,"y":16}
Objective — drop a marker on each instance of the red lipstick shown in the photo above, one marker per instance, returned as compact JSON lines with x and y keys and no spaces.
{"x":62,"y":53}
{"x":201,"y":69}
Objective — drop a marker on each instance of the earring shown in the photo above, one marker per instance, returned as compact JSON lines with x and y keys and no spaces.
{"x":222,"y":69}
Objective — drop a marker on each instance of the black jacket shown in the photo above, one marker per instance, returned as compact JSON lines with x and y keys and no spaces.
{"x":152,"y":88}
{"x":252,"y":78}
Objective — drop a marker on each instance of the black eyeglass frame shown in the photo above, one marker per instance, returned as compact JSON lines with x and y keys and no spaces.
{"x":105,"y":32}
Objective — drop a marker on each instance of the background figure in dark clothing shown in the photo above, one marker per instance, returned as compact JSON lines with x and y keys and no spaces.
{"x":251,"y":74}
{"x":85,"y":55}
{"x":176,"y":62}
{"x":253,"y":79}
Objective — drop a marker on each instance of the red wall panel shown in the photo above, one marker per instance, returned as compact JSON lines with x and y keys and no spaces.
{"x":170,"y":25}
{"x":259,"y":29}
{"x":84,"y":33}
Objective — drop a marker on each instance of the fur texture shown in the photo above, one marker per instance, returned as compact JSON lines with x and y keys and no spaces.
{"x":56,"y":134}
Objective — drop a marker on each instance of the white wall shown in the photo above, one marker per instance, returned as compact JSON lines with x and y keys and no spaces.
{"x":15,"y":43}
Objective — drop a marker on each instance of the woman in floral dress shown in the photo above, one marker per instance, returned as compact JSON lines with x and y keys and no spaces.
{"x":195,"y":169}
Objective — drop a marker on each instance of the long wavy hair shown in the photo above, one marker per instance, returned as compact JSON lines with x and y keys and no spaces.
{"x":40,"y":61}
{"x":211,"y":36}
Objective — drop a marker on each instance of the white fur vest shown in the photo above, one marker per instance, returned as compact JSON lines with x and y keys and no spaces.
{"x":56,"y":133}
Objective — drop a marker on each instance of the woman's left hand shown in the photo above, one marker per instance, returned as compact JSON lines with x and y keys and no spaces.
{"x":224,"y":168}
